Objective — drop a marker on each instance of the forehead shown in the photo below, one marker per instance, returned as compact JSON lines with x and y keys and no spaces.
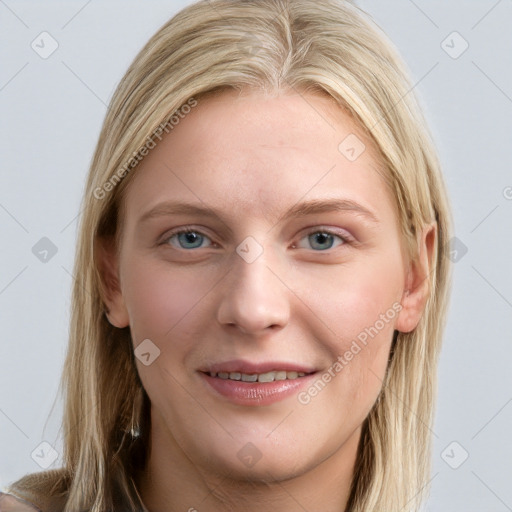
{"x":257,"y":154}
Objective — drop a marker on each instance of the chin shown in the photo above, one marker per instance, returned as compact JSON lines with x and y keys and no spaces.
{"x":259,"y":459}
{"x":266,"y":470}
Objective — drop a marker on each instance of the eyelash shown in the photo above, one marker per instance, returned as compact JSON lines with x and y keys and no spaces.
{"x":345,"y":238}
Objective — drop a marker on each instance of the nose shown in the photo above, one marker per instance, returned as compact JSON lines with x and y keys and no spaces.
{"x":253,"y":299}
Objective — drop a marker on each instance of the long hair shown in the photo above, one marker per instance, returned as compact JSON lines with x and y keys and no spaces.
{"x":327,"y":47}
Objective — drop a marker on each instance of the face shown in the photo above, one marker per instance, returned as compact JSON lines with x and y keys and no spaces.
{"x":265,"y":266}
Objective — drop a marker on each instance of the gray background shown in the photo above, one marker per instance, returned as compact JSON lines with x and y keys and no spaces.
{"x":52,"y":109}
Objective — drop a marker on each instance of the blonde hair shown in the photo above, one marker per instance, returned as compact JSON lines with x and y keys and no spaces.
{"x":327,"y":47}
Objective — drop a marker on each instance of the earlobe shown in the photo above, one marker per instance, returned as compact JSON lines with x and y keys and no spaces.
{"x":417,"y":282}
{"x":108,"y":267}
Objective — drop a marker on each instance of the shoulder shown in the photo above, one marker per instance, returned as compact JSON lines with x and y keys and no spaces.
{"x":44,"y":491}
{"x":11,"y":503}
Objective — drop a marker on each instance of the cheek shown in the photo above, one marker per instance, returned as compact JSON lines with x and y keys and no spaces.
{"x":352,"y":299}
{"x":161,"y":300}
{"x":360,"y":306}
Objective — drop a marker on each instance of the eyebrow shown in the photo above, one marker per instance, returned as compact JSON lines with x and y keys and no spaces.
{"x":301,"y":209}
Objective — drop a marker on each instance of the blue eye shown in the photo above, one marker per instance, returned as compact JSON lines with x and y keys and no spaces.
{"x":320,"y":240}
{"x":323,"y":240}
{"x":188,"y":239}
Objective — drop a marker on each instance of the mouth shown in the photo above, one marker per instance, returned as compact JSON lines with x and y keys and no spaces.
{"x":271,"y":376}
{"x":247,"y":383}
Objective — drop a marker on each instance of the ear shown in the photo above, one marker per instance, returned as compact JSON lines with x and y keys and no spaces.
{"x":417,"y":282}
{"x":108,"y":266}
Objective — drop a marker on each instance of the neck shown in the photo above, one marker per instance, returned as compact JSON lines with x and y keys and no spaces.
{"x":171,"y":482}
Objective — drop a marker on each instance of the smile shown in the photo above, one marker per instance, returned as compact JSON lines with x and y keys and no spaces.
{"x":256,"y":389}
{"x":258,"y":377}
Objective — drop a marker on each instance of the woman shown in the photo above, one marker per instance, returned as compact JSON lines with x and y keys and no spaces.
{"x":261,"y":284}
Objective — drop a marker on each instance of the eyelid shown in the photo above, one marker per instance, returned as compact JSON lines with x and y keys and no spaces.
{"x":344,"y":235}
{"x":182,"y":229}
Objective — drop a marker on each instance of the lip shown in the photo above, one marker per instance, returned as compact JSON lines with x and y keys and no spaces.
{"x":255,"y":393}
{"x":242,"y":366}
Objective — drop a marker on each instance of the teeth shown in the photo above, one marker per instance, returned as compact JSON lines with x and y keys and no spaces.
{"x":267,"y":377}
{"x":258,"y":377}
{"x":249,"y":378}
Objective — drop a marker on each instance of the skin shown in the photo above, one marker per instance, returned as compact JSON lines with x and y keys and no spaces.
{"x":252,"y":157}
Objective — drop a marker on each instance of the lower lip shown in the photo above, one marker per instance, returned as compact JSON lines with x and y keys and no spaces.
{"x":256,"y":393}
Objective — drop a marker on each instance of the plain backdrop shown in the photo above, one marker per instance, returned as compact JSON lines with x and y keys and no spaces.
{"x":460,"y":57}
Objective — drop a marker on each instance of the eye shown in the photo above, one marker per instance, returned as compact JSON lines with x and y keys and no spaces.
{"x":187,"y":239}
{"x":318,"y":240}
{"x":323,"y":239}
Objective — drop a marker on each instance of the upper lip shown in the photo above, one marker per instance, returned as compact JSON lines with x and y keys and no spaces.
{"x":248,"y":367}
